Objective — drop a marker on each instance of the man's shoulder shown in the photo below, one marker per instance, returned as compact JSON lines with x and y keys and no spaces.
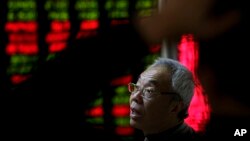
{"x":188,"y":133}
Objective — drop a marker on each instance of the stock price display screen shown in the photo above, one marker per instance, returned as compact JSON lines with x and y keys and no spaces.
{"x":34,"y":31}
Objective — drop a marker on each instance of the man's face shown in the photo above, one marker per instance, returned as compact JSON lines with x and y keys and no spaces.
{"x":151,"y":114}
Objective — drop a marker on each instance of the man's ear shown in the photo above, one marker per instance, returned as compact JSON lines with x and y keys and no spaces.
{"x":215,"y":26}
{"x":177,"y":106}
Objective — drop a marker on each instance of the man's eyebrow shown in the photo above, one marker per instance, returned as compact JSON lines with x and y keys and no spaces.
{"x":154,"y":82}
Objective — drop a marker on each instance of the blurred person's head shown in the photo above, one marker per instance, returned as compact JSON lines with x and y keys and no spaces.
{"x":204,"y":18}
{"x":161,"y":97}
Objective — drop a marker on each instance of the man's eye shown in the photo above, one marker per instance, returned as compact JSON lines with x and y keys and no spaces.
{"x":136,"y":88}
{"x":149,"y":91}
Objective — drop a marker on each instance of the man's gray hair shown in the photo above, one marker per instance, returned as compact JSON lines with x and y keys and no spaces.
{"x":181,"y":79}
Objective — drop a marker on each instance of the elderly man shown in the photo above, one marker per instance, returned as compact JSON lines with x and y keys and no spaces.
{"x":160,"y":99}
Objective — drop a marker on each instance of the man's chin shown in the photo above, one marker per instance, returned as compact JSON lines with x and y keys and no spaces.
{"x":134,"y":124}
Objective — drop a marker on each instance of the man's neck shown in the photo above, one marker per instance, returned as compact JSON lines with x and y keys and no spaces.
{"x":162,"y":128}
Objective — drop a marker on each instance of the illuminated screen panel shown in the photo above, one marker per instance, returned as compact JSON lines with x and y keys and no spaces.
{"x":22,"y":30}
{"x":199,"y":111}
{"x":95,"y":114}
{"x":144,"y":8}
{"x":117,"y":11}
{"x":88,"y":14}
{"x":41,"y":30}
{"x":121,"y":108}
{"x":59,"y":26}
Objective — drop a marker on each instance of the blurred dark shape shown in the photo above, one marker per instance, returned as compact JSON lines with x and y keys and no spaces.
{"x":224,"y":73}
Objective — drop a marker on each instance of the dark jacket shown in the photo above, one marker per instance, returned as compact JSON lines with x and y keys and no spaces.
{"x":181,"y":131}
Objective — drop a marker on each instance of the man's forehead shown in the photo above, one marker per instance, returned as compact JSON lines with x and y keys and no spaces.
{"x":148,"y":80}
{"x":151,"y":76}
